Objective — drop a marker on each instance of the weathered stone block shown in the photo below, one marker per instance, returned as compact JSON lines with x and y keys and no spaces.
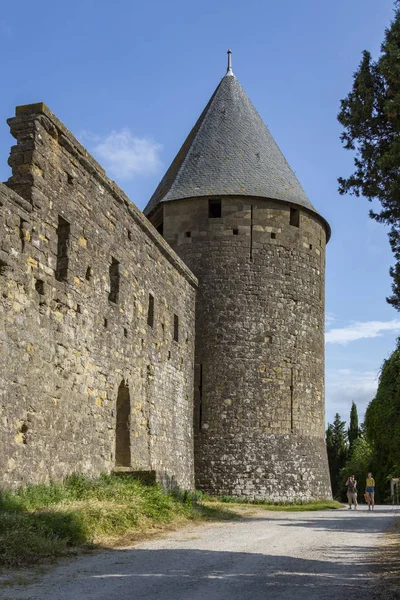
{"x":75,"y":360}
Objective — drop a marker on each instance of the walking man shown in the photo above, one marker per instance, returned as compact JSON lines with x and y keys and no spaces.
{"x":352,"y":491}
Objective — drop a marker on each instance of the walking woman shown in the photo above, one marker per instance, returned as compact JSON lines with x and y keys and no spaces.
{"x":370,"y":491}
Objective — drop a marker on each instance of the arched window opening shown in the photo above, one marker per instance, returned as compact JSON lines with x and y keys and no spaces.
{"x":123,"y":423}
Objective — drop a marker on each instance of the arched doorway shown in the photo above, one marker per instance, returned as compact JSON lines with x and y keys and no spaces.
{"x":123,"y":424}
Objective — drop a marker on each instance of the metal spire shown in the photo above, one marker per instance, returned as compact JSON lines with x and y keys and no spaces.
{"x":229,"y":69}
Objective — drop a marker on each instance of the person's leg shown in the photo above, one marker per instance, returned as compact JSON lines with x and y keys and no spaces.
{"x":355,"y":501}
{"x":372,"y":495}
{"x":349,"y":499}
{"x":369,"y":500}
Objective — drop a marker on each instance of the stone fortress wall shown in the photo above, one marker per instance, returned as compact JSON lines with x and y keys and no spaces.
{"x":259,"y":359}
{"x":96,"y":321}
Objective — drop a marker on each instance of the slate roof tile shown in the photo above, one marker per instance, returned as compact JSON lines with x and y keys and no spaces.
{"x":229,"y":152}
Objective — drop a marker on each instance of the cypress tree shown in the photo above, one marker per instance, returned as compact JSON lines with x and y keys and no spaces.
{"x":336,"y":443}
{"x":353,"y":431}
{"x":370,"y":115}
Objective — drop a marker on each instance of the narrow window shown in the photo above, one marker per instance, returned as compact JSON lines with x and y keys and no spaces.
{"x":273,"y":236}
{"x":105,"y":323}
{"x":114,"y":281}
{"x":295,"y":217}
{"x":291,"y":400}
{"x":200,"y":396}
{"x":125,"y":332}
{"x":123,"y":425}
{"x":214,"y":209}
{"x":39,"y":286}
{"x":158,"y":220}
{"x":89,"y":273}
{"x":235,"y":231}
{"x":176,"y":328}
{"x":63,"y":232}
{"x":3,"y":267}
{"x":188,"y":234}
{"x":129,"y":235}
{"x":22,"y":232}
{"x":251,"y":231}
{"x":150,"y":311}
{"x":310,"y":246}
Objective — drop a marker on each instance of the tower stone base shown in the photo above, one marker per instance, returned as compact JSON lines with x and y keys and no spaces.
{"x":275,"y":467}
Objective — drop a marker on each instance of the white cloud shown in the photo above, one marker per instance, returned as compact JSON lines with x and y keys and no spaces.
{"x":343,"y":386}
{"x":124,"y":155}
{"x":361,"y":330}
{"x":329,"y":318}
{"x":348,"y":382}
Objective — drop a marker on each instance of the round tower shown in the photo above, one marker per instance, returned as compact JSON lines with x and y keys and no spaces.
{"x":234,"y":211}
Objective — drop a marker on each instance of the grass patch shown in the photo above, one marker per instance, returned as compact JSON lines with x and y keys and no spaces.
{"x":45,"y":521}
{"x":42,"y":522}
{"x":299,"y":505}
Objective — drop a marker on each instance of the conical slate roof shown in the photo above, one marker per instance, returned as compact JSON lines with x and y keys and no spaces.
{"x":229,"y":152}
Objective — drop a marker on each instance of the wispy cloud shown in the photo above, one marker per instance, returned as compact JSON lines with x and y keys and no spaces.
{"x":348,"y":381}
{"x":124,"y":155}
{"x":361,"y":330}
{"x":329,"y":319}
{"x":343,"y":386}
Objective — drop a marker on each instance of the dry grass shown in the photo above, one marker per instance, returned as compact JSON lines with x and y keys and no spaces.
{"x":388,"y":564}
{"x":39,"y":523}
{"x":46,"y":521}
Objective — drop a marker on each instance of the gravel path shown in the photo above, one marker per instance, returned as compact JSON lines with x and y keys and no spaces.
{"x":267,"y":555}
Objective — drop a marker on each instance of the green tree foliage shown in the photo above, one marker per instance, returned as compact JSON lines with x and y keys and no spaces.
{"x":370,"y":115}
{"x":353,"y":432}
{"x":358,"y":464}
{"x":336,"y":444}
{"x":382,"y":424}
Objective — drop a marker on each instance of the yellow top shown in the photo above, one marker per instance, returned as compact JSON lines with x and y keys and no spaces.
{"x":370,"y":482}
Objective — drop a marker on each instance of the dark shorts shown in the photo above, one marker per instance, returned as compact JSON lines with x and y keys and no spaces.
{"x":370,"y":490}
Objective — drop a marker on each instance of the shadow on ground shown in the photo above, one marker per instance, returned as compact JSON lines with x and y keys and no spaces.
{"x":357,"y":521}
{"x":191,"y":574}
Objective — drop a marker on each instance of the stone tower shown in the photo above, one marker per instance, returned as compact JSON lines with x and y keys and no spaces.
{"x":233,"y":210}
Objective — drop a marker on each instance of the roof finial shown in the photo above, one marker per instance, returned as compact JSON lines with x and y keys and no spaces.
{"x":229,"y":69}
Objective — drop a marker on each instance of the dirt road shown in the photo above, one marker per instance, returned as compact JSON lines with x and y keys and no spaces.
{"x":299,"y":556}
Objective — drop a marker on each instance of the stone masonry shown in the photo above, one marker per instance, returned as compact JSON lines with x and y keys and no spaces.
{"x":234,"y":211}
{"x":190,"y":343}
{"x":96,"y":321}
{"x":259,"y":386}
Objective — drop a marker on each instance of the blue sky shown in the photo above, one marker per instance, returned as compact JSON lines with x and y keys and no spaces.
{"x":129,"y":79}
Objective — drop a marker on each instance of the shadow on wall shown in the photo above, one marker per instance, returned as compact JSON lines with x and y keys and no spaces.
{"x":167,"y":481}
{"x":190,"y":574}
